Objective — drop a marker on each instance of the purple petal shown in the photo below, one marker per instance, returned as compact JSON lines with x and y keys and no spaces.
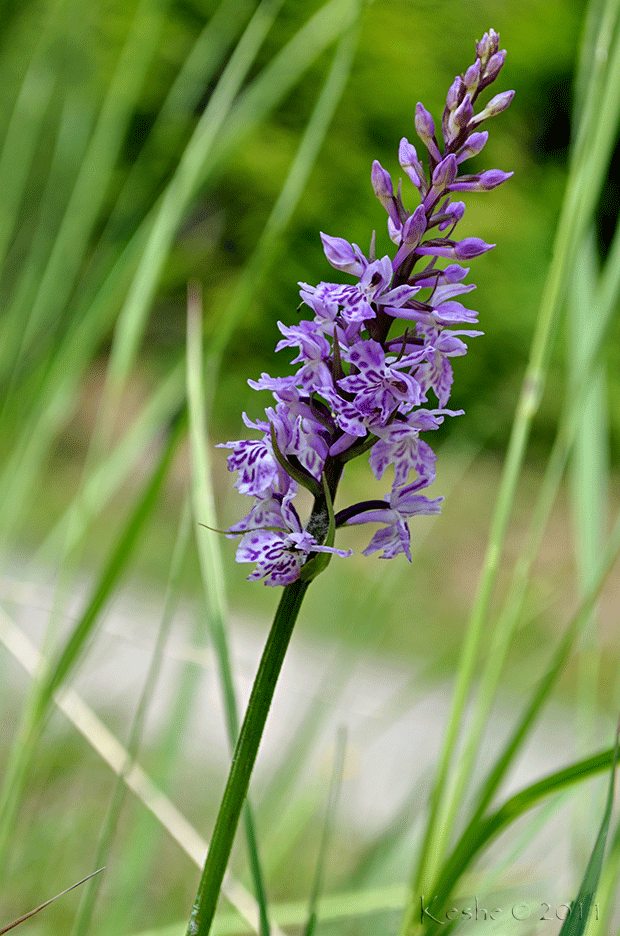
{"x":342,"y":255}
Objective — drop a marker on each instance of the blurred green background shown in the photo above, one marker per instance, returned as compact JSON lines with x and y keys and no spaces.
{"x":407,"y":52}
{"x":102,"y":119}
{"x":99,"y":103}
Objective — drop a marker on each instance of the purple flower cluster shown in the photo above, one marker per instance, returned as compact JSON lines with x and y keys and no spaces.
{"x":374,"y":360}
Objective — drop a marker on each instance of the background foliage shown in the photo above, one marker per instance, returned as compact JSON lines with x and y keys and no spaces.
{"x":137,"y":153}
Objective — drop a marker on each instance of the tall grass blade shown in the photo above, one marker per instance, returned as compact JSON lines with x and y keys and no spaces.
{"x":74,"y":131}
{"x":328,"y":823}
{"x":278,"y":78}
{"x":139,"y":862}
{"x":32,"y":913}
{"x":575,"y":924}
{"x":269,"y":243}
{"x":95,"y":311}
{"x":211,"y":564}
{"x":479,"y":837}
{"x":181,"y":189}
{"x":210,"y":49}
{"x":587,"y":172}
{"x":91,"y":184}
{"x":333,"y":908}
{"x":115,"y":755}
{"x":34,"y":720}
{"x":224,"y":123}
{"x":602,"y":319}
{"x":543,"y":690}
{"x":590,"y":457}
{"x":589,"y":485}
{"x":607,"y":890}
{"x":107,"y":832}
{"x":106,"y":477}
{"x":25,"y":125}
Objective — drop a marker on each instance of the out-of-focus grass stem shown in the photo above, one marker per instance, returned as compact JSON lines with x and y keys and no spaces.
{"x":586,"y":175}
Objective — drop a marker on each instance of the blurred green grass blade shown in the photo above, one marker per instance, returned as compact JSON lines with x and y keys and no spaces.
{"x":211,"y":567}
{"x":221,"y":128}
{"x":601,"y":321}
{"x":57,"y":394}
{"x":575,"y":924}
{"x":94,"y":311}
{"x":19,"y":149}
{"x":42,"y":698}
{"x":116,"y":564}
{"x":542,"y":692}
{"x":47,"y":903}
{"x":589,"y":485}
{"x":589,"y":462}
{"x":480,"y":837}
{"x":204,"y":512}
{"x":599,"y":34}
{"x":139,"y":860}
{"x":333,"y":797}
{"x":25,"y":125}
{"x":72,"y":238}
{"x":75,"y":126}
{"x":107,"y":746}
{"x":607,"y":890}
{"x":107,"y":832}
{"x":350,"y":905}
{"x":269,"y":243}
{"x":278,"y":78}
{"x":107,"y":476}
{"x":211,"y":47}
{"x":586,"y":176}
{"x":477,"y":821}
{"x":181,"y":189}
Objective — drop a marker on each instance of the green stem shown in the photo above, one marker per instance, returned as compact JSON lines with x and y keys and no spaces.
{"x":244,"y":759}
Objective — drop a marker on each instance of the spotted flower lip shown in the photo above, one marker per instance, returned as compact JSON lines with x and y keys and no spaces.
{"x":381,"y":383}
{"x":372,"y":360}
{"x":400,"y":504}
{"x":281,"y":548}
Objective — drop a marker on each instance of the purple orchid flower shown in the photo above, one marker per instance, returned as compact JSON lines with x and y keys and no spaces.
{"x":281,"y":549}
{"x":381,"y":383}
{"x":374,"y":357}
{"x":358,"y":303}
{"x":400,"y":445}
{"x":400,"y":505}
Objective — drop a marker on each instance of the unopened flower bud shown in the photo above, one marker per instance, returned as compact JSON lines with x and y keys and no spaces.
{"x":452,"y":215}
{"x":471,"y":78}
{"x":472,"y":146}
{"x":381,"y":182}
{"x":495,"y":106}
{"x":493,"y":177}
{"x":464,"y":113}
{"x":482,"y":182}
{"x":408,"y":159}
{"x":445,"y":172}
{"x":495,"y":65}
{"x":342,"y":255}
{"x":425,"y":128}
{"x":471,"y":247}
{"x":455,"y":94}
{"x":414,"y":227}
{"x":487,"y":46}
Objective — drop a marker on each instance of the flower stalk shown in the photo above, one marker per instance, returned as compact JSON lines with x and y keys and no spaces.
{"x":244,"y":758}
{"x":375,"y":371}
